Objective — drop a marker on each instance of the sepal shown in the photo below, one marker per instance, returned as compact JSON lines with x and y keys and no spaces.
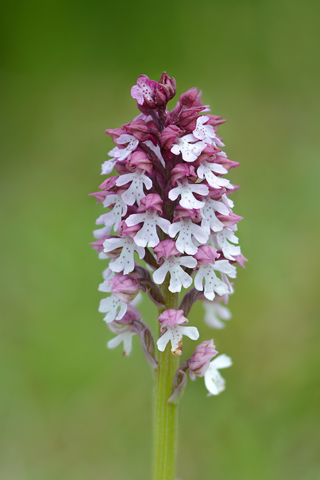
{"x":147,"y":343}
{"x":188,"y":300}
{"x":147,"y":284}
{"x":179,"y":383}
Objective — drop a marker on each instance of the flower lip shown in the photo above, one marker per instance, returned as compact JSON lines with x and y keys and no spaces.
{"x":214,"y":382}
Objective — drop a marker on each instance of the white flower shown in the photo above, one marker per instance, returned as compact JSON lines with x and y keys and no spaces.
{"x":221,"y":241}
{"x":187,"y":230}
{"x":113,"y":218}
{"x":126,"y":338}
{"x":206,"y":169}
{"x":206,"y":132}
{"x":113,"y":307}
{"x":227,"y":201}
{"x":186,"y":190}
{"x":214,"y":382}
{"x":214,"y":313}
{"x":147,"y":235}
{"x":120,"y":154}
{"x":125,"y":262}
{"x":108,"y":165}
{"x":174,"y":335}
{"x":188,"y":148}
{"x":179,"y":278}
{"x":212,"y":283}
{"x":156,"y":149}
{"x":135,"y":191}
{"x":124,"y":335}
{"x":209,"y":219}
{"x":107,"y":276}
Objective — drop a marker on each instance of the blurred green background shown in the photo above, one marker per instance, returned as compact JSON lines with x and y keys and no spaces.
{"x":70,"y":409}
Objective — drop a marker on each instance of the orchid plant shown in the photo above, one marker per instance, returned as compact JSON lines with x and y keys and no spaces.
{"x":168,"y":206}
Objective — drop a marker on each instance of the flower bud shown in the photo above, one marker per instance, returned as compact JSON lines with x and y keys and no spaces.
{"x":166,"y":249}
{"x":169,"y":84}
{"x":206,"y":254}
{"x":141,"y":130}
{"x":115,"y":133}
{"x":151,"y":201}
{"x":124,"y":230}
{"x":126,"y":321}
{"x":189,"y":116}
{"x":201,"y":358}
{"x":168,"y":136}
{"x":124,"y":287}
{"x":160,"y":96}
{"x":183,"y":170}
{"x":229,"y":220}
{"x":139,"y":159}
{"x":191,"y":98}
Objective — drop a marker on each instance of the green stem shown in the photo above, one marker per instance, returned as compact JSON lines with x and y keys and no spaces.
{"x":165,"y":414}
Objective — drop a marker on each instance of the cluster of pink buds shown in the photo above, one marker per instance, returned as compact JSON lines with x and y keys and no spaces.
{"x":169,"y":206}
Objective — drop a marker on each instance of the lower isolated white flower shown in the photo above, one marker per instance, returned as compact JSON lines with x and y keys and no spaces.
{"x":214,"y":313}
{"x":124,"y":335}
{"x":114,"y":308}
{"x":214,"y":382}
{"x":179,"y":278}
{"x":174,"y":335}
{"x":125,"y":262}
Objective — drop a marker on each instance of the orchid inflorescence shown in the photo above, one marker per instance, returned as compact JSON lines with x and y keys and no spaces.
{"x":168,"y":205}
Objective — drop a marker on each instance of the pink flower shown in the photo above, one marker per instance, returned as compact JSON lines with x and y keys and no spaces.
{"x":144,"y":91}
{"x":172,"y":329}
{"x":124,"y":287}
{"x":200,"y":360}
{"x":165,"y":249}
{"x":171,"y":318}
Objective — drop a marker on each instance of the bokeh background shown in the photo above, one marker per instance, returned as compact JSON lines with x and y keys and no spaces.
{"x":71,"y":409}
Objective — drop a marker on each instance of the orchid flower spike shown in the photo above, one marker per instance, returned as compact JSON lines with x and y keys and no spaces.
{"x":168,"y":224}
